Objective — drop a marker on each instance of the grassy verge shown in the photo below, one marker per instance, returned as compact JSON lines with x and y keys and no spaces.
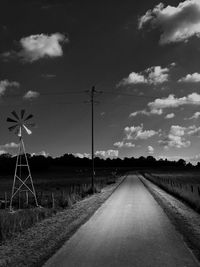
{"x":184,"y":218}
{"x":35,"y":245}
{"x":22,"y":219}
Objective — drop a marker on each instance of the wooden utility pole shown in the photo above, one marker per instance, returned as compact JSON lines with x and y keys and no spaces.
{"x":92,"y":114}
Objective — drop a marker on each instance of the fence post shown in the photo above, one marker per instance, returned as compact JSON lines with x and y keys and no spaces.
{"x":5,"y":200}
{"x":19,"y":200}
{"x":27,"y":200}
{"x":53,"y":200}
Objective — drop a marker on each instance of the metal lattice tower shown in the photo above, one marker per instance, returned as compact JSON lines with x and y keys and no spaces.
{"x":23,"y":181}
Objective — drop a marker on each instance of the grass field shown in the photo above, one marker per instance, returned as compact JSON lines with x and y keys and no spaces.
{"x":59,"y":181}
{"x":183,"y":184}
{"x":57,"y":189}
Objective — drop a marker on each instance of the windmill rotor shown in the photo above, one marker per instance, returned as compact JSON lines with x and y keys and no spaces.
{"x":20,"y":122}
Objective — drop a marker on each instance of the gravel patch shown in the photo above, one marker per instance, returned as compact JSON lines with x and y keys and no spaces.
{"x":35,"y":245}
{"x":184,"y":218}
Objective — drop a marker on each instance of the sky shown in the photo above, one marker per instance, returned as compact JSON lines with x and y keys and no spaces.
{"x":141,"y":56}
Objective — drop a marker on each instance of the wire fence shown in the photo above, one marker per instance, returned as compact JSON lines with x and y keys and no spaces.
{"x":190,"y":193}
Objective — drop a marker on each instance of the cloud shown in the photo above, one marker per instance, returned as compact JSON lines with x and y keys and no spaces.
{"x":4,"y":84}
{"x":82,"y":155}
{"x":170,"y":116}
{"x":175,"y":138}
{"x":31,"y":94}
{"x":35,"y":47}
{"x":176,"y":23}
{"x":196,"y":115}
{"x":172,"y":102}
{"x":137,"y":132}
{"x":9,"y":146}
{"x":154,"y":75}
{"x":157,"y":75}
{"x":3,"y":152}
{"x":150,"y":150}
{"x":107,"y":154}
{"x":134,"y":78}
{"x":158,"y":105}
{"x":41,"y":153}
{"x":191,"y":78}
{"x":193,"y":130}
{"x":123,"y":144}
{"x":139,"y":112}
{"x":195,"y":158}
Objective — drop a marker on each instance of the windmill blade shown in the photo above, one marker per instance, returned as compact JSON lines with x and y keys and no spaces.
{"x":11,"y":128}
{"x":15,"y":114}
{"x":27,"y":130}
{"x":11,"y":120}
{"x":29,"y":117}
{"x":22,"y":113}
{"x":19,"y":131}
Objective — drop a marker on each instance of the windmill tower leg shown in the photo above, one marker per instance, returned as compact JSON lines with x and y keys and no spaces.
{"x":26,"y":182}
{"x":29,"y":173}
{"x":15,"y":175}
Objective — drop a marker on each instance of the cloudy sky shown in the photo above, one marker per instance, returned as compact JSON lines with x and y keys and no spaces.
{"x":142,"y":55}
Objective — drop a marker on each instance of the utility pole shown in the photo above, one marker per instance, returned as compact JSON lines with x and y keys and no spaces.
{"x":92,"y":92}
{"x":92,"y":115}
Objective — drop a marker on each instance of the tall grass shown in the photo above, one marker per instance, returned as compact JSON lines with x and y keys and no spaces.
{"x":186,"y":191}
{"x":15,"y":222}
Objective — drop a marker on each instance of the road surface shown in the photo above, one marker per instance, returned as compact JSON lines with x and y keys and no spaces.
{"x":129,"y":229}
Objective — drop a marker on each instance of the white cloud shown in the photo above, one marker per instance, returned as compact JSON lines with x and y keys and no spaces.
{"x":170,"y":116}
{"x":193,"y":130}
{"x":35,"y":47}
{"x":4,"y":84}
{"x":142,"y":112}
{"x":196,"y":115}
{"x":31,"y":94}
{"x":147,"y":113}
{"x":150,"y":150}
{"x":157,"y":75}
{"x":172,"y":102}
{"x":107,"y":154}
{"x":138,"y":133}
{"x":3,"y":152}
{"x":123,"y":144}
{"x":175,"y":138}
{"x":158,"y":105}
{"x":41,"y":153}
{"x":191,"y":78}
{"x":154,"y":75}
{"x":133,"y":78}
{"x":195,"y":158}
{"x":82,"y":155}
{"x":9,"y":145}
{"x":176,"y":23}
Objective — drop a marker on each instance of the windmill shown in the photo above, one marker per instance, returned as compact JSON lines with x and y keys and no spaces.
{"x":22,"y":178}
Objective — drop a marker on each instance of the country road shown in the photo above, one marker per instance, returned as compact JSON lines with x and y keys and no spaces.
{"x":129,"y":229}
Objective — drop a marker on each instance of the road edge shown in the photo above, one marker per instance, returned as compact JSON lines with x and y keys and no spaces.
{"x":187,"y":226}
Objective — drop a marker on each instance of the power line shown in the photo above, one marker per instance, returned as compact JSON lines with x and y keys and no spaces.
{"x":127,"y":94}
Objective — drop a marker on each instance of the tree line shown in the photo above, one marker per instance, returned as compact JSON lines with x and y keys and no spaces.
{"x":42,"y":163}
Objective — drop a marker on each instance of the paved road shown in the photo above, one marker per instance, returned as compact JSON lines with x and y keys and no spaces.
{"x":130,"y":229}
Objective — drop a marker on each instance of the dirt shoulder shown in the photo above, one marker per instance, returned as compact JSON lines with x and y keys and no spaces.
{"x":184,"y":218}
{"x":35,"y":245}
